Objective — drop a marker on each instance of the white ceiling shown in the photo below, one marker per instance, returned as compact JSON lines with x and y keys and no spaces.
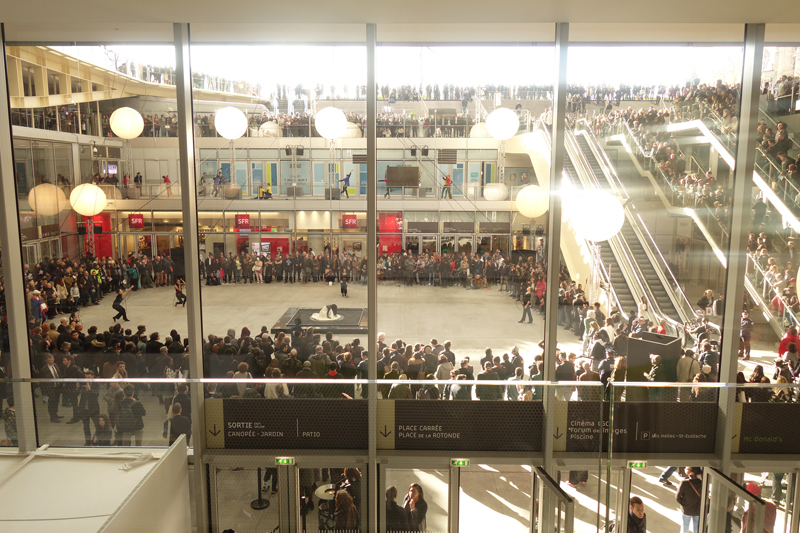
{"x":414,"y":21}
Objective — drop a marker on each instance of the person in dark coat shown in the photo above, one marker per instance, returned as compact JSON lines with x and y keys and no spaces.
{"x":416,"y":508}
{"x":657,"y":374}
{"x":688,"y":497}
{"x":637,"y":518}
{"x":396,"y":518}
{"x":88,"y":407}
{"x":179,"y":425}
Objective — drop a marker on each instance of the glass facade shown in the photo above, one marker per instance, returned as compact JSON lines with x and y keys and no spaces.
{"x":649,"y":358}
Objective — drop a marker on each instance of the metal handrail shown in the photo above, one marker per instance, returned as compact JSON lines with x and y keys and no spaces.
{"x":763,"y":285}
{"x":774,"y":122}
{"x":673,"y":189}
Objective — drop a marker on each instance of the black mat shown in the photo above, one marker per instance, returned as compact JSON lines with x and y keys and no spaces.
{"x":352,"y":317}
{"x":354,"y":321}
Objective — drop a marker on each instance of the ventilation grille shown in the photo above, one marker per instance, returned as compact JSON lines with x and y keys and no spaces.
{"x":447,"y":157}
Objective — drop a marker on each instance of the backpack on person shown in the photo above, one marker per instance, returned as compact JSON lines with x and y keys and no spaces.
{"x":125,"y":418}
{"x":260,"y":364}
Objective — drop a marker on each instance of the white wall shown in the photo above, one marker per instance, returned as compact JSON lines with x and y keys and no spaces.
{"x":160,"y":503}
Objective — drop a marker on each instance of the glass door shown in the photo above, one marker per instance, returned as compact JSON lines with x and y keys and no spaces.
{"x":484,"y":244}
{"x":417,"y":498}
{"x":553,"y":508}
{"x":495,"y":497}
{"x":500,"y":242}
{"x":465,"y":244}
{"x":411,"y":244}
{"x":255,"y":493}
{"x":429,"y":244}
{"x":448,"y":244}
{"x":256,"y":175}
{"x":30,"y":254}
{"x":323,"y":485}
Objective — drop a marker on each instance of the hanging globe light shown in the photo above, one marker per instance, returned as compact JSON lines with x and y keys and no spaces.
{"x":330,"y":122}
{"x":495,"y":192}
{"x":230,"y":122}
{"x":88,"y":199}
{"x":502,"y":123}
{"x":353,"y":131}
{"x":126,"y":123}
{"x":479,"y":131}
{"x":532,"y":201}
{"x":47,"y":200}
{"x":269,"y":129}
{"x":596,"y":215}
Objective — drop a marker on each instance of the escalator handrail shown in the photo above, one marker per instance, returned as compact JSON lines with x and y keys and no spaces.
{"x":618,"y":242}
{"x":604,"y":270}
{"x":683,"y":306}
{"x":767,"y":116}
{"x":768,"y":303}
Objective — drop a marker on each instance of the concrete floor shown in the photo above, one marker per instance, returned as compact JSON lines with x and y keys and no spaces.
{"x":472,"y":319}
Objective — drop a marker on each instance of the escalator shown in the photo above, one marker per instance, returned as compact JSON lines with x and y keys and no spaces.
{"x":624,"y":296}
{"x":630,"y":238}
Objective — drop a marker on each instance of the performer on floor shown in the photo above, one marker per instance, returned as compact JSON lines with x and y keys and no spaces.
{"x":117,"y":305}
{"x":179,"y":284}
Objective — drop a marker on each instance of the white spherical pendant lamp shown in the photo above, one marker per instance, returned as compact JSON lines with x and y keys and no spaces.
{"x":126,"y":123}
{"x":495,"y":192}
{"x":47,"y":200}
{"x":532,"y":201}
{"x":230,"y":122}
{"x":269,"y":129}
{"x":353,"y":131}
{"x":596,"y":215}
{"x":88,"y":199}
{"x":502,"y":123}
{"x":479,"y":131}
{"x":330,"y":122}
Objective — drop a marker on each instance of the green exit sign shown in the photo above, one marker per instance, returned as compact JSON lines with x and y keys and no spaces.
{"x":284,"y":461}
{"x":459,"y":462}
{"x":637,"y":464}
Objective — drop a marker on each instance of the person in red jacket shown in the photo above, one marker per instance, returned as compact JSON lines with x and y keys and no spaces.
{"x":788,"y":338}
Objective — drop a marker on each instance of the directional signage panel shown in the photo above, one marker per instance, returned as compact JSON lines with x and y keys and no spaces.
{"x":665,"y":427}
{"x":460,"y":425}
{"x":256,"y":423}
{"x":639,"y":427}
{"x":766,"y":428}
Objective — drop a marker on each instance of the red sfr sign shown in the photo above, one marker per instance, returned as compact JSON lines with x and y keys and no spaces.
{"x":242,"y":221}
{"x":349,"y":221}
{"x":136,"y":221}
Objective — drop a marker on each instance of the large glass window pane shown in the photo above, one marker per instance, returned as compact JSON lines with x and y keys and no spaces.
{"x":297,"y":245}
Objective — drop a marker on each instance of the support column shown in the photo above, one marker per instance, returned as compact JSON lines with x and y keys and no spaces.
{"x":741,"y":220}
{"x":453,"y":493}
{"x":186,"y":153}
{"x":554,"y":225}
{"x":547,"y":504}
{"x":12,"y":269}
{"x":372,"y":278}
